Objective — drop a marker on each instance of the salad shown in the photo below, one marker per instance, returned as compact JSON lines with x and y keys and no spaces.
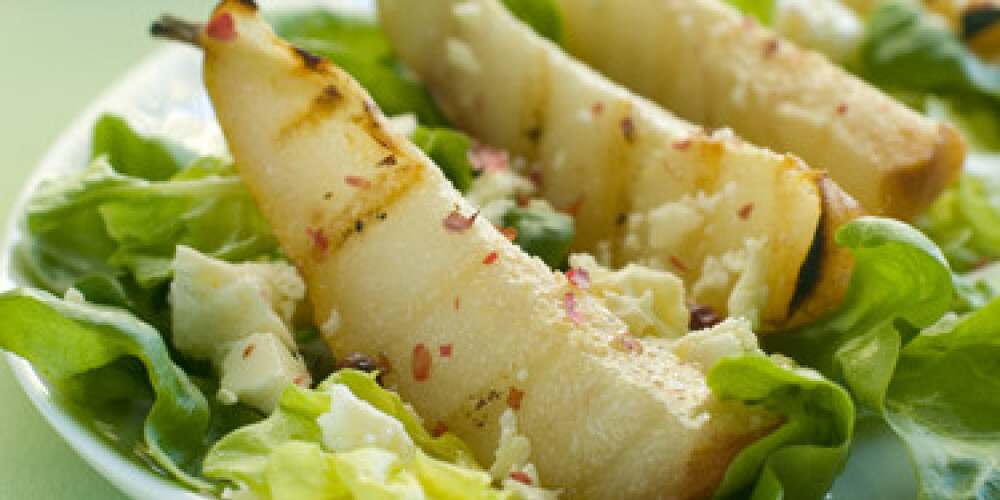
{"x":166,"y":306}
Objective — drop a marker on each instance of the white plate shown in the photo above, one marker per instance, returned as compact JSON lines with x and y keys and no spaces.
{"x":163,"y":92}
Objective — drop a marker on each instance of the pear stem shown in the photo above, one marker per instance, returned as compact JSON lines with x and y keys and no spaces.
{"x":175,"y":28}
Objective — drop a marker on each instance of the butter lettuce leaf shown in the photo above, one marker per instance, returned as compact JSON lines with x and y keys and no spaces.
{"x":943,"y":402}
{"x":283,"y":457}
{"x":965,"y":220}
{"x":762,"y":10}
{"x":131,"y":154}
{"x":901,"y":284}
{"x":801,"y":458}
{"x":543,"y":16}
{"x":930,"y":374}
{"x":543,"y":233}
{"x":449,"y":149}
{"x":111,"y":234}
{"x":76,"y":345}
{"x":902,"y":41}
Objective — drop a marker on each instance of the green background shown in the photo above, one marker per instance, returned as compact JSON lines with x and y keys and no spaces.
{"x":58,"y":55}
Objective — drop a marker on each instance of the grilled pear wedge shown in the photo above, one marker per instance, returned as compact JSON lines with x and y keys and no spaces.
{"x":708,"y":63}
{"x":621,"y":161}
{"x":395,"y":262}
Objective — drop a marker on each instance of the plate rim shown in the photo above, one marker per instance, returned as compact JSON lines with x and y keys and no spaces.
{"x":128,"y":476}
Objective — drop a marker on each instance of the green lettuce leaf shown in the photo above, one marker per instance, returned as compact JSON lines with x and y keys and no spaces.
{"x":902,"y":41}
{"x":965,"y":220}
{"x":282,"y":457}
{"x":943,"y":403}
{"x":130,"y":154}
{"x":544,"y":16}
{"x":931,"y":375}
{"x":103,"y":223}
{"x":542,"y":233}
{"x":900,"y":285}
{"x":77,"y":346}
{"x":110,"y":230}
{"x":762,"y":10}
{"x":358,"y":46}
{"x":449,"y":149}
{"x":208,"y":210}
{"x":801,"y":458}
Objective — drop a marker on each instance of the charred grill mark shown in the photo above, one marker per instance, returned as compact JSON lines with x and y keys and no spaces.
{"x":978,"y":20}
{"x":371,"y":121}
{"x":368,"y":206}
{"x":809,"y":272}
{"x":250,"y":4}
{"x":535,"y":134}
{"x":312,"y":61}
{"x":322,"y":105}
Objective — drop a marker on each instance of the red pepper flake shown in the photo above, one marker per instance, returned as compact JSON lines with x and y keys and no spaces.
{"x":536,"y":176}
{"x":445,"y":350}
{"x":579,"y":278}
{"x":981,"y":263}
{"x":421,"y":363}
{"x":249,"y":350}
{"x":522,"y":200}
{"x":682,"y":145}
{"x":301,"y":379}
{"x":458,"y":302}
{"x":676,"y":262}
{"x":457,"y":223}
{"x":487,"y":159}
{"x":358,"y":182}
{"x":770,"y":47}
{"x":491,"y":258}
{"x":569,"y":303}
{"x":439,"y":429}
{"x":628,"y":128}
{"x":842,"y":109}
{"x":222,"y":28}
{"x":703,"y":317}
{"x":625,"y":342}
{"x":597,"y":108}
{"x":510,"y":233}
{"x":514,"y":398}
{"x":320,"y":241}
{"x":574,"y":208}
{"x":746,"y":211}
{"x":521,"y":477}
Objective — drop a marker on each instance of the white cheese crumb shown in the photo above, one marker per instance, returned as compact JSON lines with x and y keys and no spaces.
{"x":353,"y":423}
{"x":460,"y":55}
{"x":466,"y":10}
{"x":405,"y":124}
{"x":513,"y":451}
{"x":331,"y":326}
{"x":824,"y":25}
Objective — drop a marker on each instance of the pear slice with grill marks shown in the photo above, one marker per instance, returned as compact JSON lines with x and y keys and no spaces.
{"x":611,"y":155}
{"x":396,"y":263}
{"x":707,"y":62}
